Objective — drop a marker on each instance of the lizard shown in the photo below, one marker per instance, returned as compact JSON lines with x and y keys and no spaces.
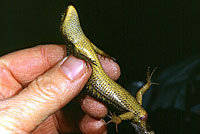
{"x":99,"y":84}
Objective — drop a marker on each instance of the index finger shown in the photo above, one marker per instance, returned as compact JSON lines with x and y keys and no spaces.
{"x":19,"y":68}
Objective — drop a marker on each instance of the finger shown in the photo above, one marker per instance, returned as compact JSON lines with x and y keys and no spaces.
{"x":89,"y":125}
{"x":26,"y":65}
{"x":93,"y":107}
{"x":59,"y":123}
{"x":69,"y":117}
{"x":110,"y":67}
{"x":19,"y":68}
{"x":72,"y":114}
{"x":49,"y":126}
{"x":45,"y":95}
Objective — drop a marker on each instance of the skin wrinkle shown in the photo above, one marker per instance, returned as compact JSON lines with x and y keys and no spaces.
{"x":51,"y":85}
{"x":20,"y":125}
{"x":6,"y":127}
{"x":4,"y":91}
{"x":43,"y":96}
{"x":47,"y":54}
{"x":45,"y":93}
{"x":17,"y":113}
{"x":52,"y":91}
{"x":9,"y":130}
{"x":20,"y":75}
{"x":4,"y":106}
{"x":47,"y":127}
{"x":2,"y":63}
{"x":40,"y":95}
{"x":1,"y":96}
{"x":13,"y":123}
{"x":44,"y":63}
{"x":55,"y":121}
{"x":44,"y":57}
{"x":8,"y":80}
{"x":54,"y":54}
{"x":21,"y":120}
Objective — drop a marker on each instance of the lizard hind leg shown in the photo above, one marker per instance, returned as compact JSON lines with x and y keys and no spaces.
{"x":99,"y":51}
{"x":149,"y":75}
{"x":146,"y":86}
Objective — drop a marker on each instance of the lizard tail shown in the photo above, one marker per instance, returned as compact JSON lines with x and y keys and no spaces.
{"x":141,"y":130}
{"x":70,"y":26}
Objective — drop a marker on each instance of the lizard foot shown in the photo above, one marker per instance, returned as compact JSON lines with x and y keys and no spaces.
{"x":149,"y":76}
{"x":115,"y":119}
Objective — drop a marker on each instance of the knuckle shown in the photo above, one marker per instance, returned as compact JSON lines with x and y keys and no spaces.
{"x":47,"y":89}
{"x":48,"y":85}
{"x":44,"y":56}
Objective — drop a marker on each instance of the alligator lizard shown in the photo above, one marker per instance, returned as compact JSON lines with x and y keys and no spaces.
{"x":99,"y":84}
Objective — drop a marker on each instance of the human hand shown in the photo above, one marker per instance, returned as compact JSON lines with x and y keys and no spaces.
{"x":34,"y":86}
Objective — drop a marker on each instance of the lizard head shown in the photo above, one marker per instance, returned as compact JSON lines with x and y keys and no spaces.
{"x":70,"y":26}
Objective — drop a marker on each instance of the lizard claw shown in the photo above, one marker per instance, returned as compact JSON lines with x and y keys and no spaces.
{"x":149,"y":75}
{"x":115,"y":119}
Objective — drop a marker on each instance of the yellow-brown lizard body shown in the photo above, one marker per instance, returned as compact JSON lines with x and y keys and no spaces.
{"x":99,"y":84}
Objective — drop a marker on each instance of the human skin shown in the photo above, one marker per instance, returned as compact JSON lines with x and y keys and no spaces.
{"x":36,"y":83}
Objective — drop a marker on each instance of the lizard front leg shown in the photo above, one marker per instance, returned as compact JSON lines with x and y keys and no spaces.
{"x":79,"y":55}
{"x":118,"y":119}
{"x":99,"y":51}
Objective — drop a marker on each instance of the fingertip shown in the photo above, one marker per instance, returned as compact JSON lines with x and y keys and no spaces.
{"x":51,"y":53}
{"x":93,"y":107}
{"x":91,"y":125}
{"x":110,"y":67}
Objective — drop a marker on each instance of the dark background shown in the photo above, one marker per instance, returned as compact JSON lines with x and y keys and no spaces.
{"x":138,"y":33}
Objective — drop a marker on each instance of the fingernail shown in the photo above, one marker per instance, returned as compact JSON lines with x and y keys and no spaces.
{"x":73,"y":68}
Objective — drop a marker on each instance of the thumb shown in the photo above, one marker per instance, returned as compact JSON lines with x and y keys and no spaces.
{"x":44,"y":96}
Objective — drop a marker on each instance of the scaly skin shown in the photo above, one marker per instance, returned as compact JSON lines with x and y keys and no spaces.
{"x":99,"y":84}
